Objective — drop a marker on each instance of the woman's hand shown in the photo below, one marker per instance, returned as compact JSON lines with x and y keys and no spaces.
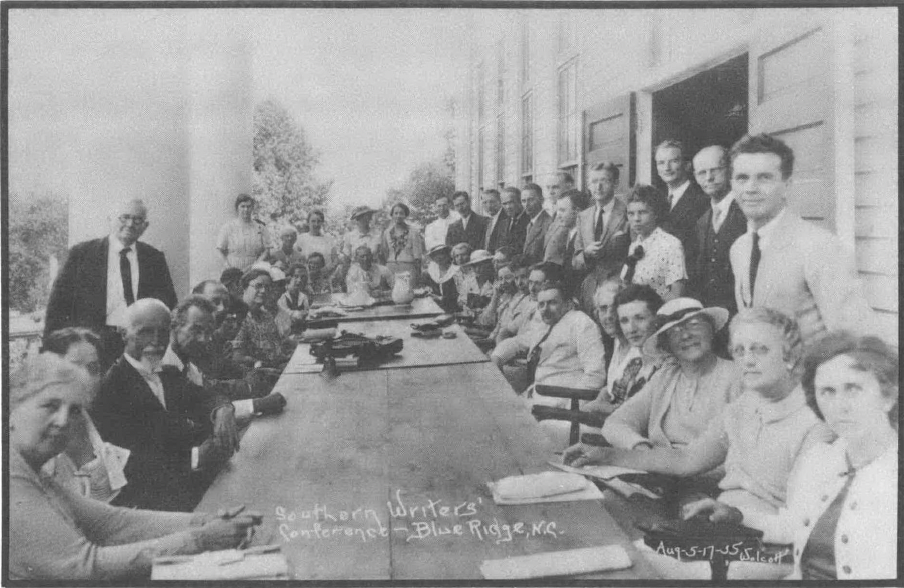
{"x":580,"y":455}
{"x":225,"y":533}
{"x":714,"y":510}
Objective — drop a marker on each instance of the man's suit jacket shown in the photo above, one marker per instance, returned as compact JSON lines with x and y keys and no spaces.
{"x":495,"y":233}
{"x":473,"y":236}
{"x":682,"y":220}
{"x":711,"y":280}
{"x":535,"y":237}
{"x":127,"y":414}
{"x":79,"y":294}
{"x":807,"y":273}
{"x":514,"y":233}
{"x":616,"y":239}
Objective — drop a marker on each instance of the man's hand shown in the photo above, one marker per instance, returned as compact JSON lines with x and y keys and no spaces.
{"x":225,"y":432}
{"x":593,"y":250}
{"x":716,"y":511}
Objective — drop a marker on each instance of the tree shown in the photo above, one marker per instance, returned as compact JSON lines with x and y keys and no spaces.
{"x":426,"y":183}
{"x":38,"y":231}
{"x":284,"y":183}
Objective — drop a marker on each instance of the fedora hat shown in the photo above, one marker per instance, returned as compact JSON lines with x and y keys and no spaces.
{"x":677,"y":311}
{"x":361,"y":211}
{"x":479,"y":256}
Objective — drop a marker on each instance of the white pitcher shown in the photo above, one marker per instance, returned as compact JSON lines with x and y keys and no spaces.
{"x":401,"y":289}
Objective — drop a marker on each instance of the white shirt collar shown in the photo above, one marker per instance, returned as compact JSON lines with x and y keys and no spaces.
{"x":116,"y":245}
{"x":724,"y":204}
{"x":765,"y":232}
{"x":172,"y":359}
{"x":533,"y":218}
{"x":140,"y":368}
{"x":678,"y":192}
{"x":607,"y":208}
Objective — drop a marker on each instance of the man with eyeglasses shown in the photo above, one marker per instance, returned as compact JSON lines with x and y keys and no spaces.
{"x":102,"y":277}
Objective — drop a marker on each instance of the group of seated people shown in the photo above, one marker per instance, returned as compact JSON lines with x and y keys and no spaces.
{"x":788,"y":423}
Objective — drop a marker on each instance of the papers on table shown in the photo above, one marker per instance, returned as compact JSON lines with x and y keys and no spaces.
{"x":258,"y":563}
{"x":603,"y":472}
{"x":557,"y":563}
{"x":543,"y":487}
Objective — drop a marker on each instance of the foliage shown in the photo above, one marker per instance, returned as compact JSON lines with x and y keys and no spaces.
{"x":283,"y":180}
{"x":426,"y":183}
{"x":38,"y":229}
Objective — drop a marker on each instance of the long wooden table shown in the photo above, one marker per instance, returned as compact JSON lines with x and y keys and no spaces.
{"x":419,"y":308}
{"x":417,"y":352}
{"x":382,"y":475}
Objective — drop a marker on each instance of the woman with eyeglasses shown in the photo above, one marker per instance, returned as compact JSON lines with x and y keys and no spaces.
{"x":258,"y":342}
{"x":88,"y":465}
{"x":841,"y":512}
{"x":690,"y":389}
{"x":244,"y":240}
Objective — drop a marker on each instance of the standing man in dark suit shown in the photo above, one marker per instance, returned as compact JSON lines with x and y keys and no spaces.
{"x":179,"y":434}
{"x":711,"y":280}
{"x":601,"y":244}
{"x":102,"y":277}
{"x":497,"y":218}
{"x":687,"y":202}
{"x":537,"y":225}
{"x":471,"y":228}
{"x":515,"y":227}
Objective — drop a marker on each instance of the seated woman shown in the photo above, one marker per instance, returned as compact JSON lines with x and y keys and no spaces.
{"x":367,"y":275}
{"x":689,"y":391}
{"x":319,"y":280}
{"x":842,"y":498}
{"x":635,"y":310}
{"x":758,"y":437}
{"x":519,"y":307}
{"x":461,"y":254}
{"x":294,"y":302}
{"x":440,"y":278}
{"x":476,"y":288}
{"x":258,"y":342}
{"x":655,"y":258}
{"x":88,"y":465}
{"x":57,"y":534}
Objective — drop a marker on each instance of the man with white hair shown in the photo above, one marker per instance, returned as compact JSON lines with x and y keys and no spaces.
{"x":179,"y":434}
{"x":102,"y":277}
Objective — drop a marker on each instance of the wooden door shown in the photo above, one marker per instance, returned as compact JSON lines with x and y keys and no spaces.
{"x":609,"y":136}
{"x":791,"y":98}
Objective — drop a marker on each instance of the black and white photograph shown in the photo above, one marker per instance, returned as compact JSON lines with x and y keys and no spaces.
{"x":388,"y":292}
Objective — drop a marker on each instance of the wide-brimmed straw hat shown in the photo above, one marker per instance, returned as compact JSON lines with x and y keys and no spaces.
{"x":479,"y":256}
{"x":439,"y":249}
{"x":677,"y":311}
{"x":361,"y":211}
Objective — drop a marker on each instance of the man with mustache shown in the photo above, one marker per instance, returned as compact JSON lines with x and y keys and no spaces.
{"x":179,"y":434}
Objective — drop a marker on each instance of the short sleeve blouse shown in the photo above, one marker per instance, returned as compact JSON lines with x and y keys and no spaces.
{"x":662,"y":264}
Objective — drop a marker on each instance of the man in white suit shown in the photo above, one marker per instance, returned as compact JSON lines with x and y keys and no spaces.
{"x":786,"y":263}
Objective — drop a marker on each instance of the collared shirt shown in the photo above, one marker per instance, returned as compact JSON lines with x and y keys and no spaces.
{"x":534,"y":218}
{"x":720,"y":210}
{"x":514,"y":314}
{"x":152,"y":378}
{"x":491,"y":227}
{"x":378,"y":277}
{"x":662,"y":264}
{"x":607,"y":213}
{"x":435,"y":232}
{"x":572,"y":355}
{"x":765,"y":233}
{"x":465,"y":219}
{"x":678,"y":192}
{"x":116,"y":298}
{"x":243,"y":408}
{"x":763,"y":440}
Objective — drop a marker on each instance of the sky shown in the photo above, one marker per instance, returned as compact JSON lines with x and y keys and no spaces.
{"x":368,"y":86}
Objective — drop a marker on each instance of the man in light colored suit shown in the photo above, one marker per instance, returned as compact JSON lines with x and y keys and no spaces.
{"x":538,"y":223}
{"x":602,"y":240}
{"x":783,"y":262}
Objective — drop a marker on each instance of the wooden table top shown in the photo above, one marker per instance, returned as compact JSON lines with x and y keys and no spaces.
{"x":417,"y":352}
{"x":382,"y":475}
{"x":419,"y":308}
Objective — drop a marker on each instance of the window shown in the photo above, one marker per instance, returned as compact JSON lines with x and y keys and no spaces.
{"x":568,"y":114}
{"x":567,"y":37}
{"x":525,"y":54}
{"x":480,"y":95}
{"x":500,"y":149}
{"x":480,"y":159}
{"x":500,"y":77}
{"x":527,"y":135}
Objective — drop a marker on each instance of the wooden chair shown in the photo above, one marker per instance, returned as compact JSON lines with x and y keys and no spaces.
{"x":574,"y":414}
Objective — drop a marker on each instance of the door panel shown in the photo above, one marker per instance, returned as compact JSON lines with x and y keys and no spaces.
{"x":609,"y":136}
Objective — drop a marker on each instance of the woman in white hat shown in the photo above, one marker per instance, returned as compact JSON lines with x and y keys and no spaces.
{"x":691,"y":388}
{"x":440,"y":278}
{"x":476,"y":289}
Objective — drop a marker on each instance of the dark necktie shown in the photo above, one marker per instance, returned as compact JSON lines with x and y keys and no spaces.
{"x":620,"y":389}
{"x":754,"y":262}
{"x":631,"y":262}
{"x":533,"y":358}
{"x":598,"y":230}
{"x":125,"y":269}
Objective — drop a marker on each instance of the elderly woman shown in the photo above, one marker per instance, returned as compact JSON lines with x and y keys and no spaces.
{"x":758,"y":437}
{"x":403,"y":245}
{"x":440,"y":278}
{"x":842,"y":497}
{"x":244,"y":240}
{"x":56,"y":534}
{"x":258,"y":342}
{"x":692,"y":387}
{"x":655,"y":258}
{"x":88,"y":465}
{"x":314,"y":241}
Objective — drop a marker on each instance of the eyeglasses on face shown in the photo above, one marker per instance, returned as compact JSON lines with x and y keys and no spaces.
{"x":128,"y":218}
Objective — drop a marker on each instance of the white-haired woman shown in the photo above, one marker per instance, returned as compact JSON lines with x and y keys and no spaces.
{"x":57,"y":534}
